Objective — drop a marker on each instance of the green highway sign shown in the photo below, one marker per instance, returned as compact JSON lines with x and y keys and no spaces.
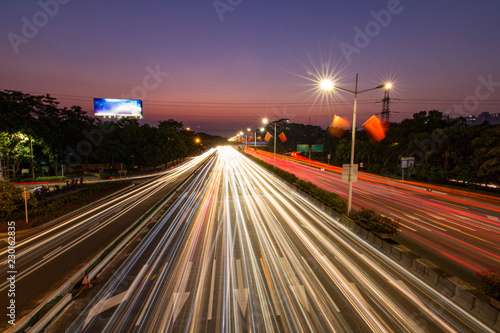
{"x":303,"y":148}
{"x":317,"y":148}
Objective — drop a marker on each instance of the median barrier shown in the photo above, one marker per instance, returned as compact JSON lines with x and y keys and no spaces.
{"x":462,"y":295}
{"x":445,"y":286}
{"x":370,"y":238}
{"x":496,"y":326}
{"x":363,"y":233}
{"x":417,"y":268}
{"x":484,"y":311}
{"x":396,"y":253}
{"x":386,"y":248}
{"x":377,"y":242}
{"x":430,"y":272}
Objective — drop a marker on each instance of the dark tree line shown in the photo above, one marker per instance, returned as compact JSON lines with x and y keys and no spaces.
{"x":57,"y":136}
{"x":443,"y":148}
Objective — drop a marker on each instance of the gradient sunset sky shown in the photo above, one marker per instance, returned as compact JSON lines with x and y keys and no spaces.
{"x":223,"y":65}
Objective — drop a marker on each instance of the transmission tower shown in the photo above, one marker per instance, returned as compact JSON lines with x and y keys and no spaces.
{"x":385,"y":106}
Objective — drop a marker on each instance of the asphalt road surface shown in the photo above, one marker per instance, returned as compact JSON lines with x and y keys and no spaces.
{"x":240,"y":251}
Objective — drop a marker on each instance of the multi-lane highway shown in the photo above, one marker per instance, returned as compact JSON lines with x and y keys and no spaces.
{"x":47,"y":258}
{"x":240,"y":251}
{"x":459,"y":234}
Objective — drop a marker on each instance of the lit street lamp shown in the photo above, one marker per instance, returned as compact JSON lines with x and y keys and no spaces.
{"x":328,"y":84}
{"x":266,"y":121}
{"x":246,"y":136}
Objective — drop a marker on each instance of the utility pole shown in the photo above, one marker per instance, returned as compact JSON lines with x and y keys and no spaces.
{"x":385,"y":106}
{"x":32,"y":164}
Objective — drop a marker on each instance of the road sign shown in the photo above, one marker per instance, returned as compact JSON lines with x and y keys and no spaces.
{"x":347,"y":173}
{"x":317,"y":148}
{"x":407,"y":162}
{"x":303,"y":148}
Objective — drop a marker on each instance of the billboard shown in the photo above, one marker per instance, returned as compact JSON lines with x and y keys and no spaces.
{"x":109,"y":107}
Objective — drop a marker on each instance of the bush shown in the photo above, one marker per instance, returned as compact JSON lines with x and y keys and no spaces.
{"x":376,"y":222}
{"x":489,"y":283}
{"x":51,"y":178}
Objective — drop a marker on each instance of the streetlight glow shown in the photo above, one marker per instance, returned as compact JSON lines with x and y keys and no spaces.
{"x":327,"y":84}
{"x":265,"y":121}
{"x":388,"y":85}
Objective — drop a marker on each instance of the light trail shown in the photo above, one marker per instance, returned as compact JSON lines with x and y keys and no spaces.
{"x":240,"y":251}
{"x":432,"y":221}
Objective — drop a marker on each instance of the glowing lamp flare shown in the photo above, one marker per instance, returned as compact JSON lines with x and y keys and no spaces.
{"x":375,"y":128}
{"x":326,"y":84}
{"x":268,"y":137}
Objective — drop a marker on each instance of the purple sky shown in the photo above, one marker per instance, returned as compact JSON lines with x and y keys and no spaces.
{"x":228,"y":69}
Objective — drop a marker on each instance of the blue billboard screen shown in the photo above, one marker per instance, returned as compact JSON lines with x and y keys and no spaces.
{"x":108,"y":107}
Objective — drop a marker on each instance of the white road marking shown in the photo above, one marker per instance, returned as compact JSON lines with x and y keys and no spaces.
{"x":211,"y":298}
{"x":51,"y":253}
{"x":242,"y":292}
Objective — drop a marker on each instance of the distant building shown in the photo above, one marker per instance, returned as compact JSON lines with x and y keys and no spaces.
{"x":492,"y":118}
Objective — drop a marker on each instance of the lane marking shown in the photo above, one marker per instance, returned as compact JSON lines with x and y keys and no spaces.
{"x":242,"y":292}
{"x":321,"y":285}
{"x":272,"y":291}
{"x":211,"y":297}
{"x":51,"y":253}
{"x":179,"y":299}
{"x":297,"y":288}
{"x":107,"y":303}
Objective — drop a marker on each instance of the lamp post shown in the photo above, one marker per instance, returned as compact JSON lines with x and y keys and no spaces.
{"x":328,"y":84}
{"x":246,"y":137}
{"x":266,"y":121}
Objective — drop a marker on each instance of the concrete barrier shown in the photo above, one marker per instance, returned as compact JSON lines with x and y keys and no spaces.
{"x":397,"y":251}
{"x":496,"y":326}
{"x":484,"y":311}
{"x":364,"y":233}
{"x":407,"y":259}
{"x":430,"y":274}
{"x":462,"y":295}
{"x":377,"y":242}
{"x":417,"y":268}
{"x":386,"y":248}
{"x":445,"y":286}
{"x":371,"y":238}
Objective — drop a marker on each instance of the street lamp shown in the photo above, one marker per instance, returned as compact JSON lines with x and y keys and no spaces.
{"x":266,"y":121}
{"x":246,"y":136}
{"x":328,"y":84}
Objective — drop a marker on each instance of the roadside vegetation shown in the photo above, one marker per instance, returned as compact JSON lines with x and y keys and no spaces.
{"x":51,"y":205}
